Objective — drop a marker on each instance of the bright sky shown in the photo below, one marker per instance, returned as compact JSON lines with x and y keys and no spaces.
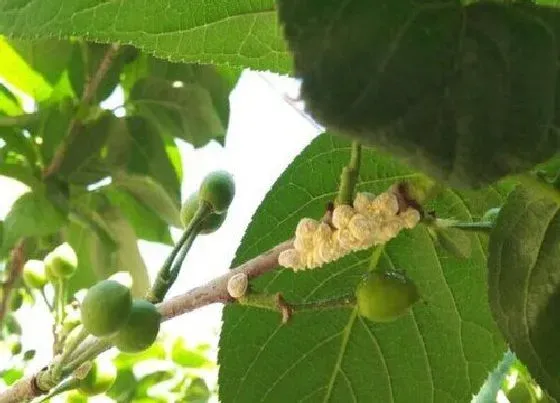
{"x":265,"y":134}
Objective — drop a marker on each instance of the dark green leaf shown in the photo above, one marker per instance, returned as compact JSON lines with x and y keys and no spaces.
{"x":18,"y":144}
{"x":466,"y":93}
{"x":81,"y":239}
{"x":148,"y":156}
{"x":524,"y":282}
{"x":124,"y":386}
{"x":146,"y":223}
{"x":197,"y":392}
{"x":219,"y":81}
{"x":441,"y":351}
{"x":85,"y":62}
{"x":151,"y":194}
{"x":241,"y":34}
{"x":19,"y":172}
{"x":31,"y":215}
{"x":52,"y":127}
{"x":186,"y":112}
{"x":86,"y":146}
{"x":455,"y":241}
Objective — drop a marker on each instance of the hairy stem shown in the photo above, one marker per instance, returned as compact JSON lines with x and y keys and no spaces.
{"x":170,"y":269}
{"x":349,"y":176}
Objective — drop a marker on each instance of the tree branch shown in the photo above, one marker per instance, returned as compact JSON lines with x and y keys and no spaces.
{"x":17,"y":260}
{"x":212,"y":292}
{"x":74,"y":127}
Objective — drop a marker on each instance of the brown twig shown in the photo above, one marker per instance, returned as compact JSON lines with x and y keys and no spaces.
{"x":17,"y":260}
{"x":214,"y":291}
{"x":88,"y":94}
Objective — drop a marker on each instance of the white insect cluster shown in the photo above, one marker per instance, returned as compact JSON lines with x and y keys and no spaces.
{"x":372,"y":220}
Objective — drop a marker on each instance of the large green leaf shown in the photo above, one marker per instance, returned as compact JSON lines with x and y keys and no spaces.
{"x":524,"y":282}
{"x":127,"y":256}
{"x":20,"y":74}
{"x":48,"y":57}
{"x":147,"y":224}
{"x":441,"y":352}
{"x":152,"y":195}
{"x":148,"y":154}
{"x":466,"y":93}
{"x":31,"y":215}
{"x":186,"y":112}
{"x":239,"y":33}
{"x":9,"y":104}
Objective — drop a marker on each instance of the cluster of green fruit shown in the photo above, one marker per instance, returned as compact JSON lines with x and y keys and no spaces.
{"x":216,"y":191}
{"x":60,"y":264}
{"x":109,"y":311}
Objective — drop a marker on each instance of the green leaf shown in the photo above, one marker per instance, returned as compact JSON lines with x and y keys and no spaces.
{"x":151,"y":194}
{"x":18,"y":143}
{"x":441,"y":351}
{"x":11,"y":375}
{"x":48,"y":57}
{"x":148,"y":155}
{"x":86,"y":146}
{"x":524,"y":282}
{"x":496,"y":378}
{"x":85,"y":61}
{"x":189,"y":358}
{"x":185,"y":112}
{"x":242,"y":34}
{"x":127,"y":256}
{"x":465,"y":93}
{"x":9,"y":104}
{"x":81,"y":239}
{"x":52,"y":127}
{"x":147,"y":224}
{"x":15,"y":70}
{"x":455,"y":241}
{"x":217,"y":80}
{"x":31,"y":215}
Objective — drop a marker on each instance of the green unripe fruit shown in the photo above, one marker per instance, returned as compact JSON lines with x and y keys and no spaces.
{"x":29,"y":355}
{"x":62,"y":261}
{"x":141,"y":329}
{"x":383,"y":296}
{"x":99,"y":379}
{"x":106,"y":308}
{"x":210,"y":224}
{"x":217,"y":189}
{"x":34,"y":274}
{"x":75,"y":396}
{"x":491,"y":215}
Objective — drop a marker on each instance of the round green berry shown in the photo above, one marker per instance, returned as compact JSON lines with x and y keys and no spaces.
{"x":383,"y":296}
{"x":34,"y":274}
{"x":99,"y":379}
{"x":62,"y":261}
{"x":210,"y":224}
{"x":106,"y":308}
{"x":141,"y":328}
{"x":16,"y":299}
{"x":217,"y":189}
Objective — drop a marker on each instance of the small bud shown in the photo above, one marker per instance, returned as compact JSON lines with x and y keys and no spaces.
{"x":322,"y":234}
{"x":237,"y":285}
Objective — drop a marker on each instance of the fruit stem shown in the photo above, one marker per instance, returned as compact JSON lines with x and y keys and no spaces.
{"x":88,"y":354}
{"x":65,"y":386}
{"x":349,"y":176}
{"x":276,"y":302}
{"x":166,"y":276}
{"x":46,"y":300}
{"x":69,"y":346}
